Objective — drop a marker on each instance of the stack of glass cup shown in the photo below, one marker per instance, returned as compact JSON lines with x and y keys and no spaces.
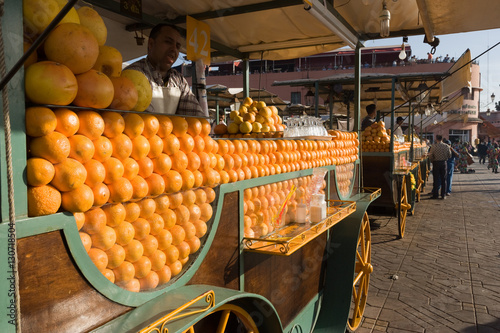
{"x":304,"y":126}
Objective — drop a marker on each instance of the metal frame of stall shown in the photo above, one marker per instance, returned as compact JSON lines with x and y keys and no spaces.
{"x":403,"y":193}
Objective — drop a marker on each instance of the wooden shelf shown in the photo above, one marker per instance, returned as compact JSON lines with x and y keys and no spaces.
{"x":287,"y":239}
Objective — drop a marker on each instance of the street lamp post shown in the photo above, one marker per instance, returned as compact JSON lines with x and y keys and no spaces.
{"x":488,"y":112}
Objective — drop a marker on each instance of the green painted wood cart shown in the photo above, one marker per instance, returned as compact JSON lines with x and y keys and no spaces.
{"x":314,"y":279}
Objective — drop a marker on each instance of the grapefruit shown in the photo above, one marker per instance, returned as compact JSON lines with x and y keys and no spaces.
{"x":109,"y":61}
{"x":94,"y":22}
{"x":73,"y":45}
{"x":142,"y":86}
{"x":125,"y":94}
{"x":95,"y":90}
{"x":48,"y":82}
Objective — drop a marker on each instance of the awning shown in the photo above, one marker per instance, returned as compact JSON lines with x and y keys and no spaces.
{"x":278,"y":29}
{"x":375,"y":87}
{"x":460,"y":76}
{"x":218,"y":94}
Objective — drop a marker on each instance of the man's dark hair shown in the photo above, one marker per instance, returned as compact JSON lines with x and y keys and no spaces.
{"x":371,"y":108}
{"x":156,"y":29}
{"x":439,"y":137}
{"x":399,"y":119}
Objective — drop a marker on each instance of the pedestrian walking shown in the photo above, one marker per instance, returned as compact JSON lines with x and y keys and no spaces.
{"x":482,"y":152}
{"x":489,"y":152}
{"x":450,"y":167}
{"x":438,"y":154}
{"x":495,"y":154}
{"x":463,"y":152}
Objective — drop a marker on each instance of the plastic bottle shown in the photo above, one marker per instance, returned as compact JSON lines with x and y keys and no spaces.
{"x":301,"y":212}
{"x":318,"y":208}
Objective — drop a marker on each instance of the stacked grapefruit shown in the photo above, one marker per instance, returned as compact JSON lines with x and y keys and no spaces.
{"x":254,"y":117}
{"x":75,"y":66}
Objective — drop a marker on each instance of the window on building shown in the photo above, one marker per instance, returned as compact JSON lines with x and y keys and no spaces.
{"x":428,"y":136}
{"x":295,"y":97}
{"x":459,"y":135}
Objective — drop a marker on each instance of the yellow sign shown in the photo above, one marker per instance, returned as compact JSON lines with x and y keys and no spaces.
{"x":198,"y":40}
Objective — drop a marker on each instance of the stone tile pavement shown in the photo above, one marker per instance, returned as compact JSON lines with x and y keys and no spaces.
{"x":444,"y":275}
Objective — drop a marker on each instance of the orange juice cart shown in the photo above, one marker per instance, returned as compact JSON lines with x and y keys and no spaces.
{"x":115,"y":219}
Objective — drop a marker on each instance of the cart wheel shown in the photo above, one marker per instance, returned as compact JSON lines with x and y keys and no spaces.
{"x":227,"y":318}
{"x":403,"y":208}
{"x":362,"y":272}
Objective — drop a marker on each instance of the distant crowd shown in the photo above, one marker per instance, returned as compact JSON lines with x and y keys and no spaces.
{"x":447,"y":158}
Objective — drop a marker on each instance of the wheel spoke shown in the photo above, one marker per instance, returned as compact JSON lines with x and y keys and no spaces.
{"x":223,"y":321}
{"x":356,"y":301}
{"x":359,"y":257}
{"x":367,"y":251}
{"x":358,"y":277}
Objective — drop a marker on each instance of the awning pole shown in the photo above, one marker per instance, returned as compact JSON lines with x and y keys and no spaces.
{"x":412,"y":117}
{"x":246,"y":78}
{"x":316,"y":99}
{"x":357,"y":104}
{"x":217,"y":112}
{"x":330,"y":106}
{"x":357,"y":89}
{"x":393,"y":89}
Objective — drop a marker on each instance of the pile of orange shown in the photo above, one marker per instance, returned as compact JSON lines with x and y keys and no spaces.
{"x":109,"y":158}
{"x":141,"y":245}
{"x":246,"y":159}
{"x":265,"y":207}
{"x":376,"y":138}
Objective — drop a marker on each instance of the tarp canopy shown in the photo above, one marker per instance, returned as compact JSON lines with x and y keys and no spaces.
{"x":287,"y":29}
{"x":461,"y":78}
{"x":374,"y":88}
{"x":443,"y":90}
{"x":218,"y":94}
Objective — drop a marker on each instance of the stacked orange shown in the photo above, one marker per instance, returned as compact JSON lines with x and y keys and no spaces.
{"x":55,"y":172}
{"x":101,"y":158}
{"x":130,"y":157}
{"x":344,"y":174}
{"x":261,"y":205}
{"x":375,"y":138}
{"x":142,"y":245}
{"x":246,"y":159}
{"x":347,"y":146}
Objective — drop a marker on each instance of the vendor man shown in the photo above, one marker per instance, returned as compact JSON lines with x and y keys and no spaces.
{"x":164,"y":43}
{"x":371,"y":110}
{"x":398,"y":131}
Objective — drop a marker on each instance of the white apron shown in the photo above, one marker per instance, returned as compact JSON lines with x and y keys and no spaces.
{"x":165,"y":99}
